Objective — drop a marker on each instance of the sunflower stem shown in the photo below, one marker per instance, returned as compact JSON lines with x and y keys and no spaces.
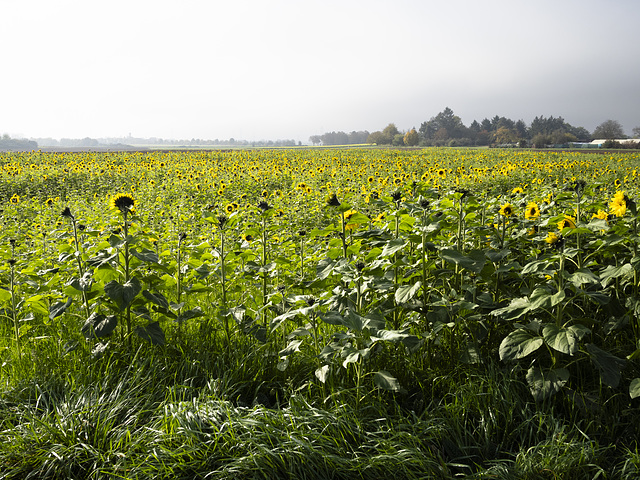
{"x":125,"y":230}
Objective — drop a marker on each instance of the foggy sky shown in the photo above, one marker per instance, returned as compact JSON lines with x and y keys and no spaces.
{"x":255,"y":70}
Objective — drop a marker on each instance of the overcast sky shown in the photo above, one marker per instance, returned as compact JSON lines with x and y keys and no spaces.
{"x":288,"y":69}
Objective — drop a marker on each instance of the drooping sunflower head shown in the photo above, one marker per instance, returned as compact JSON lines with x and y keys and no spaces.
{"x":566,"y":222}
{"x":123,"y":202}
{"x":517,"y":191}
{"x":532,"y":211}
{"x":506,"y":210}
{"x":333,"y":201}
{"x":264,"y":206}
{"x":555,"y":241}
{"x":66,"y":213}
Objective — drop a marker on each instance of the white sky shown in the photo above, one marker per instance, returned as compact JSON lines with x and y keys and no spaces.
{"x":288,"y":69}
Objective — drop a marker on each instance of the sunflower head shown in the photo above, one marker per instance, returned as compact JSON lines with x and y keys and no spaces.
{"x":556,"y":241}
{"x":602,"y":215}
{"x":618,"y":204}
{"x":532,"y":211}
{"x":67,"y":213}
{"x":506,"y":210}
{"x":333,"y":201}
{"x":517,"y":191}
{"x":122,"y":202}
{"x":566,"y":222}
{"x":264,"y":206}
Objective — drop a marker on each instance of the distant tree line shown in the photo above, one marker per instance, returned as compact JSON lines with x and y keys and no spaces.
{"x":340,"y":138}
{"x":8,"y":143}
{"x":447,"y":129}
{"x":154,"y":141}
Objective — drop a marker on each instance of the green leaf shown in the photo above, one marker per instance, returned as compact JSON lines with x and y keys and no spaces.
{"x":393,"y":246}
{"x":5,"y":295}
{"x":386,"y":381}
{"x":189,"y":314}
{"x":123,"y":295}
{"x":98,"y":326}
{"x":404,"y":293}
{"x":322,"y":373}
{"x":145,"y":255}
{"x":497,"y":256}
{"x":609,"y":366}
{"x":473,"y":262}
{"x":84,"y":283}
{"x":152,"y":333}
{"x":634,"y":388}
{"x":543,"y":384}
{"x":584,"y":276}
{"x":59,"y":308}
{"x":562,"y":339}
{"x":611,"y":272}
{"x":519,"y":344}
{"x":541,"y":298}
{"x":156,"y":298}
{"x":294,"y":346}
{"x":37,"y":304}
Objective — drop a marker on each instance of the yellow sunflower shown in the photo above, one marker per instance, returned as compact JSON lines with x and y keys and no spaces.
{"x":532,"y":211}
{"x":506,"y":210}
{"x":602,"y":215}
{"x":551,"y":238}
{"x":122,"y":202}
{"x":618,"y":204}
{"x":566,"y":222}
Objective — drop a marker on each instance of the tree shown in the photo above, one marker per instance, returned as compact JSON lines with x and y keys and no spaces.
{"x":378,"y":138}
{"x":391,"y":130}
{"x":506,"y":135}
{"x":636,"y":132}
{"x":411,"y":138}
{"x":446,"y":124}
{"x":609,"y":129}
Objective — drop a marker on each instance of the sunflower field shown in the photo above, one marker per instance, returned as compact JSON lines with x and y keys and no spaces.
{"x":320,"y":313}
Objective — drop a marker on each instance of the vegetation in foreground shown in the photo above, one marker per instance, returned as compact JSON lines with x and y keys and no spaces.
{"x":319,"y":314}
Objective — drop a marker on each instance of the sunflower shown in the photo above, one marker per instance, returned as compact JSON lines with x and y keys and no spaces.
{"x":552,"y":238}
{"x":333,"y":201}
{"x":506,"y":210}
{"x":602,"y":215}
{"x":122,"y":202}
{"x":347,"y":215}
{"x":517,"y":190}
{"x":442,"y":173}
{"x":566,"y":222}
{"x":230,"y":208}
{"x":532,"y":211}
{"x":618,"y":204}
{"x":15,"y":199}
